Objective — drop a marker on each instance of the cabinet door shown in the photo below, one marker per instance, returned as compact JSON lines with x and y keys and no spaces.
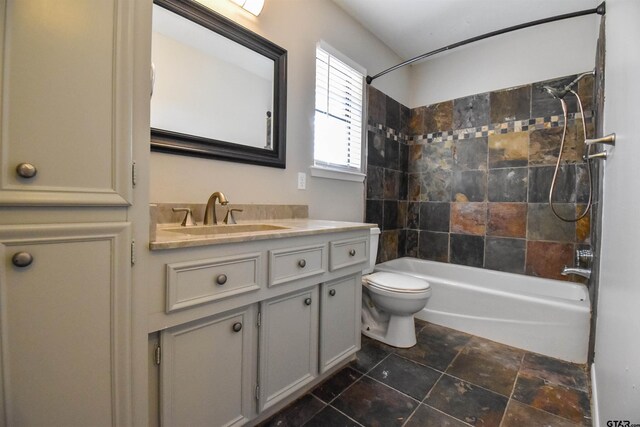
{"x":288,"y":344}
{"x":208,"y":371}
{"x":66,"y":93}
{"x":340,"y":305}
{"x":65,"y":325}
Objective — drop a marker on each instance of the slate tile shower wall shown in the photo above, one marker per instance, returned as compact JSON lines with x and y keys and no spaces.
{"x":478,"y":174}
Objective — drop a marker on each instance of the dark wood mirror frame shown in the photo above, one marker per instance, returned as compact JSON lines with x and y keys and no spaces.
{"x":191,"y":145}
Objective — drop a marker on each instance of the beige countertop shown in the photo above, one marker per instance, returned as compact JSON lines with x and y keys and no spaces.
{"x":166,"y":239}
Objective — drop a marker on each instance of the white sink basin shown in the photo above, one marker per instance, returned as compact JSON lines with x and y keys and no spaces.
{"x":202,"y":230}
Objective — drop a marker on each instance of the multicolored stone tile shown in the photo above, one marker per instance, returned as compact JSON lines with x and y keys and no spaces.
{"x":391,"y":188}
{"x":376,"y":149}
{"x":540,"y":179}
{"x":583,"y":225}
{"x":471,"y":111}
{"x":504,"y":254}
{"x":507,"y":219}
{"x":331,"y":417}
{"x":409,"y":377}
{"x":482,"y":369}
{"x":297,"y":413}
{"x":411,"y":243}
{"x":376,"y":106}
{"x":556,"y":371}
{"x":371,"y":353}
{"x":415,"y":187}
{"x":469,"y":218}
{"x":469,"y":186}
{"x":373,"y":212}
{"x":543,"y":104}
{"x":508,"y":150}
{"x":434,"y":216}
{"x":519,"y":415}
{"x":437,"y":346}
{"x":508,"y":185}
{"x":435,"y":186}
{"x":466,"y":250}
{"x":564,"y":402}
{"x":372,"y":403}
{"x":426,"y":416}
{"x":402,"y":214}
{"x":392,"y":116}
{"x":389,"y":215}
{"x":471,"y":154}
{"x":391,"y":154}
{"x":389,"y":245}
{"x":413,"y":215}
{"x":375,"y":182}
{"x":433,"y":246}
{"x":467,"y":402}
{"x":542,"y":224}
{"x":331,"y":388}
{"x":511,"y":104}
{"x":546,"y":259}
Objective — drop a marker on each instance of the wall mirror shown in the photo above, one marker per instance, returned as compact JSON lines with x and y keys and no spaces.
{"x":219,"y":90}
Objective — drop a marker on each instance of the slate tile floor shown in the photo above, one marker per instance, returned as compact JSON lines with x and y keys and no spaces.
{"x":448,"y":379}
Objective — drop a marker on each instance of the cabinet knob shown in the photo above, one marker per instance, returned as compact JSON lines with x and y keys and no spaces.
{"x":26,"y":170}
{"x":307,"y":301}
{"x":352,"y":252}
{"x":332,"y":292}
{"x":237,"y":327}
{"x":22,"y":259}
{"x":221,"y":279}
{"x":302,"y":263}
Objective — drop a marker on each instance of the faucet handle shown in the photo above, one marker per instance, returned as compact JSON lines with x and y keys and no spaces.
{"x":228,"y":218}
{"x":188,"y":218}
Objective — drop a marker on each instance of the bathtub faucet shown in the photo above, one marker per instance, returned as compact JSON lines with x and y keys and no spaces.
{"x":584,"y":272}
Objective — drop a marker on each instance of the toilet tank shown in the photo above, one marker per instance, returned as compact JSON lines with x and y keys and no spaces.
{"x":373,"y":250}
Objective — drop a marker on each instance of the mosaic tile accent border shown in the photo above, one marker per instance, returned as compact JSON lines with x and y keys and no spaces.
{"x":498,"y":128}
{"x":388,"y":132}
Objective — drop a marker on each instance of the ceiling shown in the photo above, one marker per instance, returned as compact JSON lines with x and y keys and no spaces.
{"x":413,"y":27}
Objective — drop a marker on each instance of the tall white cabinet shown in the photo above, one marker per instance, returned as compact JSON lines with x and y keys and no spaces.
{"x":67,"y":126}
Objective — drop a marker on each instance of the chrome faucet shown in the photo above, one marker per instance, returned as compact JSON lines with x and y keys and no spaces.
{"x":210,"y":210}
{"x":583,"y":261}
{"x":584,"y":272}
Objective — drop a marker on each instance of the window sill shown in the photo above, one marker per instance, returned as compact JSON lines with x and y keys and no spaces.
{"x":321,"y":172}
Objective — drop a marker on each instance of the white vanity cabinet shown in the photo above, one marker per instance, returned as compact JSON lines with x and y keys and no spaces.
{"x":208,"y":370}
{"x":288,"y":344}
{"x":65,"y":325}
{"x":340,"y":302}
{"x":300,"y":322}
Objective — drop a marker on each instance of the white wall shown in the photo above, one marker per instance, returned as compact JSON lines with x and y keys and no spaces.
{"x":617,"y":360}
{"x":296,"y":26}
{"x":517,"y":58}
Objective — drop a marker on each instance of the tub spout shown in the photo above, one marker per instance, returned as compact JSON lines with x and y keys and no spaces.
{"x":584,"y":272}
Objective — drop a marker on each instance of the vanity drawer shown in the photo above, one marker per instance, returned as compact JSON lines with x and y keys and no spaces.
{"x":292,"y":264}
{"x":196,"y":282}
{"x":344,"y":253}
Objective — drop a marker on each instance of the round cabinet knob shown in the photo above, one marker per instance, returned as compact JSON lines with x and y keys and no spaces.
{"x":352,"y":252}
{"x":221,"y":279}
{"x":237,"y":327}
{"x":26,"y":170}
{"x":22,"y":259}
{"x":307,"y":301}
{"x":302,"y":263}
{"x":332,"y":292}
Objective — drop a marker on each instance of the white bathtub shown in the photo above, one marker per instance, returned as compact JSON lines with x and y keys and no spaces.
{"x":545,"y":316}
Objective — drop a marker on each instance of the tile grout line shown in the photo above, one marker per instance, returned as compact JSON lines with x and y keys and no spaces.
{"x":513,"y":388}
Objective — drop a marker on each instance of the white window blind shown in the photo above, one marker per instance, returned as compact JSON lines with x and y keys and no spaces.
{"x":338,"y":115}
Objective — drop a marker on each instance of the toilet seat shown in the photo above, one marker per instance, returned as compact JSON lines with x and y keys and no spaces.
{"x":400,"y":283}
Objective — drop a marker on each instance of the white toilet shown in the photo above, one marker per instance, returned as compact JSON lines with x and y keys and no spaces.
{"x":389,"y":301}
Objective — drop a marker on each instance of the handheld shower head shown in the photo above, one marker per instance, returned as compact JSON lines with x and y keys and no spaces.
{"x":556,"y":93}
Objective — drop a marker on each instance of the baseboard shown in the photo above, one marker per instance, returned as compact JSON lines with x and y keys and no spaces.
{"x":595,"y":418}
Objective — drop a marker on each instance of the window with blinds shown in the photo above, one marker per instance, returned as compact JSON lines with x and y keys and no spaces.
{"x":338,"y":116}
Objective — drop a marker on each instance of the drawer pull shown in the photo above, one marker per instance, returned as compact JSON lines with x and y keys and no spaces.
{"x":22,"y":259}
{"x":332,"y":292}
{"x":352,"y":252}
{"x":221,"y":279}
{"x":26,"y":170}
{"x":237,"y":327}
{"x":302,"y":263}
{"x":307,"y":301}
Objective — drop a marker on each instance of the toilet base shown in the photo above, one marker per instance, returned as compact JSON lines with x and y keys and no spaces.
{"x":399,"y":331}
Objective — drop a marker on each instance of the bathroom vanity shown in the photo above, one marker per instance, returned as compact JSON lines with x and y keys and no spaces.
{"x":248,"y":320}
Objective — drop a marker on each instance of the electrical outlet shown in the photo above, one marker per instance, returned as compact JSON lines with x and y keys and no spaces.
{"x":302,"y":181}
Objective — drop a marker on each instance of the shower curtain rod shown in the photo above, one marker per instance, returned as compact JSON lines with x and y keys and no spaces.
{"x":600,"y":10}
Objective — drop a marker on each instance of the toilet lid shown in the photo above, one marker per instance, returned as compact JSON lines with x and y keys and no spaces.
{"x":397,"y":282}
